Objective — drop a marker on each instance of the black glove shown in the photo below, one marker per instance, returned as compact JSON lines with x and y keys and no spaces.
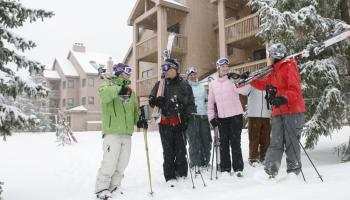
{"x":214,"y":122}
{"x":160,"y":101}
{"x":233,"y":75}
{"x":142,"y":124}
{"x":124,"y":90}
{"x":278,"y":101}
{"x":245,"y":75}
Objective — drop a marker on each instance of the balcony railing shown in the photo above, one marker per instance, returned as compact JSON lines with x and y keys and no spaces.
{"x":146,"y":47}
{"x":150,"y":45}
{"x":145,"y":86}
{"x":242,"y":28}
{"x":251,"y":66}
{"x":180,"y":44}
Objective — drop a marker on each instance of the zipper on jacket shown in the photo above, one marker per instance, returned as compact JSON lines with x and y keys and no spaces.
{"x":110,"y":120}
{"x":262,"y":104}
{"x":126,"y":124}
{"x":115,"y":114}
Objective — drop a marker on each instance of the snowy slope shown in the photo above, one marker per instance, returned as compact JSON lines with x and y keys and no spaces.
{"x":34,"y":168}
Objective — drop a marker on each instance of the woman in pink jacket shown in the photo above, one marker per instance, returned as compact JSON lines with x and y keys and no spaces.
{"x":229,"y":118}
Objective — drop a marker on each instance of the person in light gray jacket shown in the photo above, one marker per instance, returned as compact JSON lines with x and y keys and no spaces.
{"x":198,"y":131}
{"x":259,"y":125}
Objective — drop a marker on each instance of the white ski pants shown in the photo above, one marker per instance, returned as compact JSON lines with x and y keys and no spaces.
{"x":116,"y":155}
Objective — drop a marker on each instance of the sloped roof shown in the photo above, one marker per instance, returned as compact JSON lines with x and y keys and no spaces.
{"x":67,"y":67}
{"x":140,"y":4}
{"x":51,"y":74}
{"x":87,"y":61}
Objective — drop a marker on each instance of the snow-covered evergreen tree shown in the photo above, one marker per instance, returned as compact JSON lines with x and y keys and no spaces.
{"x":12,"y":81}
{"x":37,"y":107}
{"x":299,"y":24}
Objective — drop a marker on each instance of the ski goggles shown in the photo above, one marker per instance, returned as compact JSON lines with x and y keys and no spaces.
{"x":222,"y":61}
{"x":167,"y":66}
{"x":126,"y":69}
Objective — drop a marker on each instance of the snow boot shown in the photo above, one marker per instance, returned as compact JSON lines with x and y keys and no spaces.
{"x":104,"y":195}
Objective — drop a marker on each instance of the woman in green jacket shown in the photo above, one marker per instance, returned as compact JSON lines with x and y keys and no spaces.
{"x":119,"y":115}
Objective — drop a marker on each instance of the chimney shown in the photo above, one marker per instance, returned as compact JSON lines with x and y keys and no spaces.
{"x":79,"y":47}
{"x":110,"y":64}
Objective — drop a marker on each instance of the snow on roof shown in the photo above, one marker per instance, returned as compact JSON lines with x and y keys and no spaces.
{"x":50,"y":74}
{"x":88,"y":60}
{"x":78,"y":109}
{"x":67,"y":67}
{"x":94,"y":122}
{"x":176,"y":3}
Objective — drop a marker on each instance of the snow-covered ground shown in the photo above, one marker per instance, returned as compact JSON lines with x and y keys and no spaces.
{"x":33,"y":167}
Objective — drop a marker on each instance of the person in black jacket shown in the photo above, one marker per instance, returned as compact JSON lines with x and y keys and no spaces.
{"x":176,"y":104}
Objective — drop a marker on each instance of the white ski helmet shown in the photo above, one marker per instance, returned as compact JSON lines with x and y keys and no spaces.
{"x":277,"y":51}
{"x":191,"y":70}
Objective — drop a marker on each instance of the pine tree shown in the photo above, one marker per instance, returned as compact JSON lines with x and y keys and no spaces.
{"x":12,"y":81}
{"x":37,"y":107}
{"x":299,"y":24}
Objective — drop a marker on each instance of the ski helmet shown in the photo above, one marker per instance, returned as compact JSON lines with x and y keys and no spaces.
{"x":277,"y":51}
{"x":191,"y":70}
{"x":222,"y":61}
{"x":169,"y":63}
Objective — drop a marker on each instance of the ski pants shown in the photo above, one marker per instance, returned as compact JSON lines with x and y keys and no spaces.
{"x":174,"y":152}
{"x":259,"y":137}
{"x":285,"y":137}
{"x":116,"y":155}
{"x":230,"y":130}
{"x":199,"y":140}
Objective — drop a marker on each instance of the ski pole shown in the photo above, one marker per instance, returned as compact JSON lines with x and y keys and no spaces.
{"x":148,"y":163}
{"x":143,"y":118}
{"x":188,"y":162}
{"x":307,"y":155}
{"x":212,"y":161}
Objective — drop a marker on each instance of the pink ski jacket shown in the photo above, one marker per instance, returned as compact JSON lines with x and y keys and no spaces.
{"x":225,"y":95}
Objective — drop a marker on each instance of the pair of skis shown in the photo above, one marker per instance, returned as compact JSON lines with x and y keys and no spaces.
{"x":312,"y":51}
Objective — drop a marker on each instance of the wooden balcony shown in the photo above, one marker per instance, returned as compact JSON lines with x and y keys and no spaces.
{"x":251,"y":66}
{"x":241,"y":32}
{"x":147,"y":50}
{"x":144,"y":87}
{"x":55,"y":93}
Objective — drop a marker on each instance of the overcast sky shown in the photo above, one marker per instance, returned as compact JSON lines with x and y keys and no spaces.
{"x":100,"y":24}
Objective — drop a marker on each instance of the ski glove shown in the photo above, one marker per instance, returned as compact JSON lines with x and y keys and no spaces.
{"x":245,"y":75}
{"x":233,"y":75}
{"x":214,"y":122}
{"x":278,"y":101}
{"x":142,"y":124}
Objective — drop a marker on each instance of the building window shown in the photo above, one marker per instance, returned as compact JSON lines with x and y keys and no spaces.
{"x":69,"y":120}
{"x":91,"y":100}
{"x":63,"y":102}
{"x":63,"y":84}
{"x":259,"y":54}
{"x":70,"y":102}
{"x":91,"y":82}
{"x":70,"y":84}
{"x":83,"y":82}
{"x":54,"y":103}
{"x":83,"y":100}
{"x":147,"y":73}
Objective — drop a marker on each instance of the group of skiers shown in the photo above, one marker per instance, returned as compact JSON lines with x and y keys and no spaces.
{"x":186,"y":112}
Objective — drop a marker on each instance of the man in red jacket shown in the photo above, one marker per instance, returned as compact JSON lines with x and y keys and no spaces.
{"x":284,"y":88}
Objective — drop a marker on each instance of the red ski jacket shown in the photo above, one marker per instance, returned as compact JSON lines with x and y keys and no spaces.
{"x":285,"y":77}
